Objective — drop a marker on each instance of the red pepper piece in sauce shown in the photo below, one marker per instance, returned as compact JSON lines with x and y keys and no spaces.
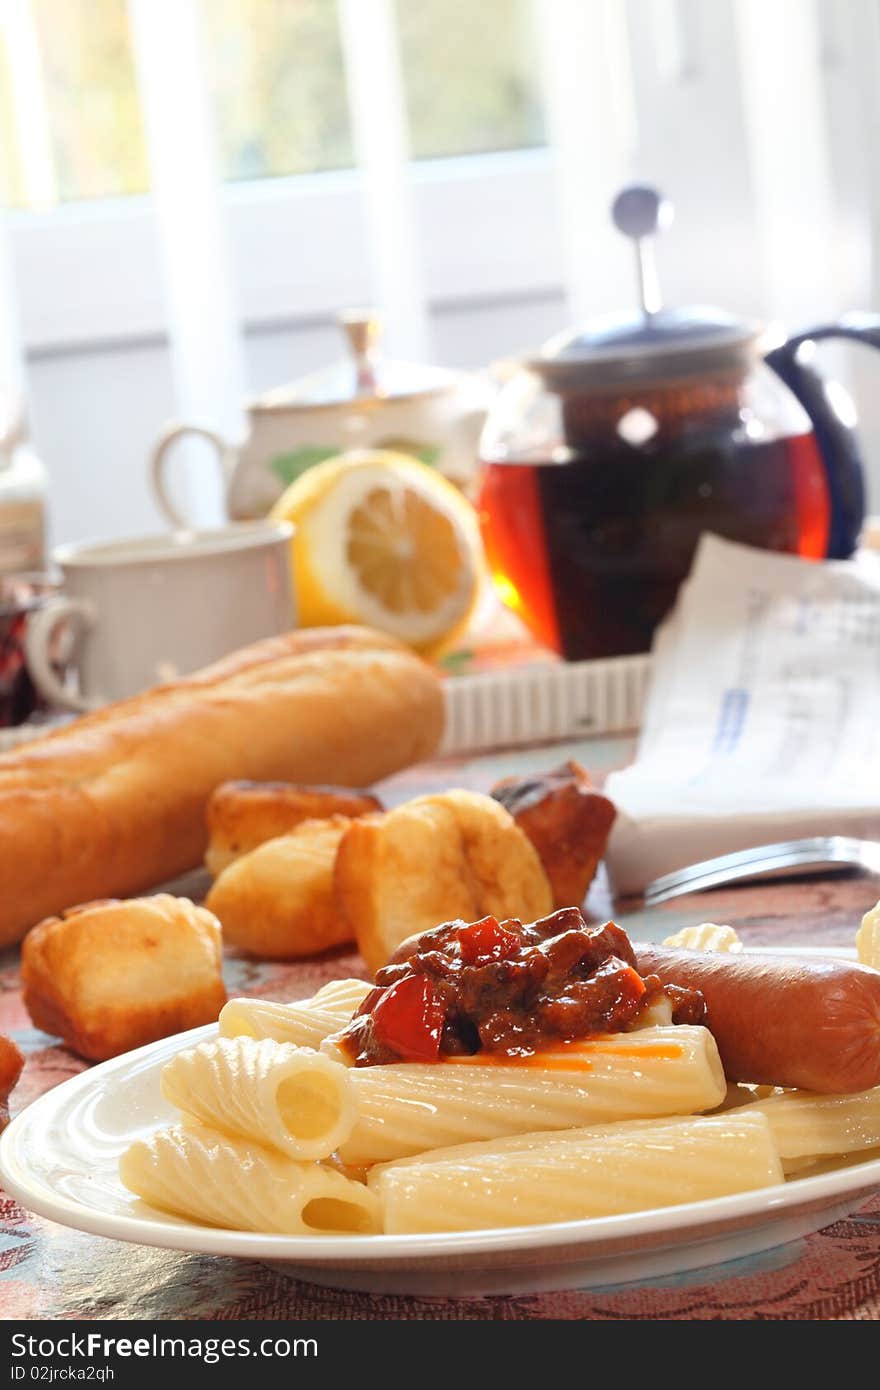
{"x":369,"y":1002}
{"x":409,"y":1019}
{"x":487,"y":940}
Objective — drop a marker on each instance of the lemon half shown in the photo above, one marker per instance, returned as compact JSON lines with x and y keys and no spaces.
{"x":384,"y":540}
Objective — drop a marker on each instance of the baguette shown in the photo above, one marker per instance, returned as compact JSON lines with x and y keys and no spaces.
{"x":115,"y":803}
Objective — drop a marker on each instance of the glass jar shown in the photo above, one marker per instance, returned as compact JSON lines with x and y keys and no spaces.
{"x":23,"y":490}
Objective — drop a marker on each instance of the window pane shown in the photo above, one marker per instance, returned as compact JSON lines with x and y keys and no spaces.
{"x":470,"y":77}
{"x":275,"y":68}
{"x":11,"y":187}
{"x":97,"y":140}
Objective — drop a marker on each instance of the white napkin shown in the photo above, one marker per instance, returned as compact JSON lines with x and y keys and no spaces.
{"x":763,"y":717}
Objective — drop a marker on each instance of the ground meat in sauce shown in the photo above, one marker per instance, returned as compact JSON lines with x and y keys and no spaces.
{"x":508,"y":989}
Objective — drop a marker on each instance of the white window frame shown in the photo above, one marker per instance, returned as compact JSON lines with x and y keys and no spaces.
{"x":88,"y":274}
{"x":489,"y":226}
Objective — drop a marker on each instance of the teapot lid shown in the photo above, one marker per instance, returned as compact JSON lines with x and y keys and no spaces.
{"x":653,"y":341}
{"x":362,"y":379}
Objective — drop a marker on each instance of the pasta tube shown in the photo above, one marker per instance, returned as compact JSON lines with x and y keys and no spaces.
{"x":657,"y":1015}
{"x":344,"y":995}
{"x":196,"y":1172}
{"x":708,"y":936}
{"x":868,"y":938}
{"x":305,"y":1023}
{"x":292,"y":1098}
{"x":808,"y":1125}
{"x":408,"y":1108}
{"x":600,"y":1172}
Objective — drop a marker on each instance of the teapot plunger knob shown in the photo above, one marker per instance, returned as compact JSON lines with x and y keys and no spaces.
{"x":640,"y":212}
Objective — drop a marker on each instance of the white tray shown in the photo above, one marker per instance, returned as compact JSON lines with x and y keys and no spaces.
{"x":537,"y":704}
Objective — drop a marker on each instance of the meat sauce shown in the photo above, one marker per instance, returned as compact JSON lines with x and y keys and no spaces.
{"x":506,"y":990}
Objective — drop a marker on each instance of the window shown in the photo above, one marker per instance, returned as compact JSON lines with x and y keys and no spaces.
{"x":70,"y":125}
{"x":470,"y":75}
{"x":67,"y":71}
{"x":276,"y":75}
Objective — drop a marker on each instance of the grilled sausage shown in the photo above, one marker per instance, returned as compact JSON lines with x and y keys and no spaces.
{"x":783,"y":1022}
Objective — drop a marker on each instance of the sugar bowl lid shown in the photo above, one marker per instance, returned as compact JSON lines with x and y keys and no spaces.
{"x":365,"y":378}
{"x":651,"y":342}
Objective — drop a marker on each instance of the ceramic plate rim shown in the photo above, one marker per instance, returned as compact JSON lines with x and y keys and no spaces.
{"x":688,"y":1219}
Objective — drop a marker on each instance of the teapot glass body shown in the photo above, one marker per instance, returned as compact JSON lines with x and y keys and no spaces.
{"x":593,"y":497}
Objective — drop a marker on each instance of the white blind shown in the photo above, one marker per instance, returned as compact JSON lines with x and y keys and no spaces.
{"x":202,"y":321}
{"x":378,"y":114}
{"x":30,"y":109}
{"x":592,"y":127}
{"x":31,"y":124}
{"x":786,"y":132}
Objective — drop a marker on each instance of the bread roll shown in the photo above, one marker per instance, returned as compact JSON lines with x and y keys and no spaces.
{"x":279,"y":901}
{"x":241,"y":816}
{"x":115,"y":803}
{"x":110,"y":976}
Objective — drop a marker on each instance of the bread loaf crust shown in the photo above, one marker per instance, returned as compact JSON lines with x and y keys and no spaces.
{"x":115,"y":803}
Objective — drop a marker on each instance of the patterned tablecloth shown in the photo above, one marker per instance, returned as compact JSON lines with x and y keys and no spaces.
{"x":48,"y":1271}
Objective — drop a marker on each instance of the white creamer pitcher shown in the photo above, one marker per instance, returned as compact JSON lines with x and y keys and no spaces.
{"x":364,"y":401}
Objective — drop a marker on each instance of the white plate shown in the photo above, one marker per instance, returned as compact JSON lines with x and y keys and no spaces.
{"x":59,"y":1159}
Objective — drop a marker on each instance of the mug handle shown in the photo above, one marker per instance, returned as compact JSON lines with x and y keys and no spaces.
{"x":41,"y":625}
{"x":161,"y":455}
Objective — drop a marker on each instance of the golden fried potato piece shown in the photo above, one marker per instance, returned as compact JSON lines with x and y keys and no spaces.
{"x":11,"y":1063}
{"x":243,"y":815}
{"x":459,"y":854}
{"x":278,"y":901}
{"x":567,"y":821}
{"x":112,"y":975}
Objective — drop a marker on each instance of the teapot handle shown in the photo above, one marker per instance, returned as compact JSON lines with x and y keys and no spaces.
{"x":160,"y":458}
{"x":857,"y":326}
{"x":835,"y":435}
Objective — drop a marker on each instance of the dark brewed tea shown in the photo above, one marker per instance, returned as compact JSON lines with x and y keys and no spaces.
{"x":591,"y":552}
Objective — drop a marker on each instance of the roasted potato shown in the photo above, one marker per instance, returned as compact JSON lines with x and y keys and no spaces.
{"x":243,"y":815}
{"x":567,"y":821}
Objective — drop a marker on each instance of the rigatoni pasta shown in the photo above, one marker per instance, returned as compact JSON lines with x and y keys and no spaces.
{"x":708,"y":936}
{"x":210,"y":1177}
{"x":341,"y":995}
{"x":305,"y":1023}
{"x":809,"y":1126}
{"x":292,"y":1098}
{"x":410,"y":1108}
{"x":868,"y":938}
{"x":606,"y":1171}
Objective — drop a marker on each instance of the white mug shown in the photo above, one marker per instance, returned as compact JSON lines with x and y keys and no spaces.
{"x":148,"y":609}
